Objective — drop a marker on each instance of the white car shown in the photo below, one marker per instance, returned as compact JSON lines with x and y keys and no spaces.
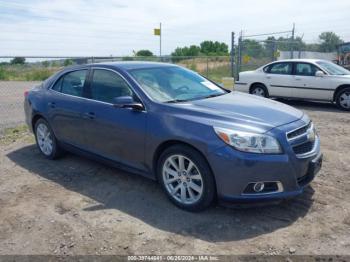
{"x":307,"y":79}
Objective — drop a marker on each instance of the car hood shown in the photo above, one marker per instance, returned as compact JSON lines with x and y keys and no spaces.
{"x":347,"y":77}
{"x":246,"y":111}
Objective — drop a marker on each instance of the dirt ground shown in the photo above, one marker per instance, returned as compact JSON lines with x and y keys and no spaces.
{"x":11,"y":101}
{"x":77,"y":206}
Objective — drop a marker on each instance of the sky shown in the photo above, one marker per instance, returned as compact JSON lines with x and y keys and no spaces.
{"x":117,"y":27}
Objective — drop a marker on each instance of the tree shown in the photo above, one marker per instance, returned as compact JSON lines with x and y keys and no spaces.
{"x":144,"y":53}
{"x":68,"y":62}
{"x":45,"y":63}
{"x":213,"y":48}
{"x":287,"y":43}
{"x":329,"y":41}
{"x":312,"y":47}
{"x":18,"y":60}
{"x":252,"y":48}
{"x":193,"y":50}
{"x":208,"y":48}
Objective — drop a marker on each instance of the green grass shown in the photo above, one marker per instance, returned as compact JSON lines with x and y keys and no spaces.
{"x":215,"y":68}
{"x":11,"y":135}
{"x":26,"y":72}
{"x":216,"y":74}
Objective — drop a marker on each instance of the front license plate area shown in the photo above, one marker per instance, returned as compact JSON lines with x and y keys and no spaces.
{"x":313,"y":168}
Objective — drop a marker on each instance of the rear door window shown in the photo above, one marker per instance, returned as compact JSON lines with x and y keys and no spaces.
{"x":72,"y":83}
{"x":281,"y":68}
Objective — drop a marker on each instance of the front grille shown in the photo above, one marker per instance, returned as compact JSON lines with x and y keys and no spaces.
{"x":302,"y":139}
{"x":304,"y":148}
{"x":299,"y":131}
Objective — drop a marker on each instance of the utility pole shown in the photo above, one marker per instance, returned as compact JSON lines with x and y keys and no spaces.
{"x":160,"y":41}
{"x":232,"y":53}
{"x":292,"y":46}
{"x":239,"y":55}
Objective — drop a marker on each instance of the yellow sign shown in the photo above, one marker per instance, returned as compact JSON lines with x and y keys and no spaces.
{"x":246,"y":59}
{"x":156,"y":31}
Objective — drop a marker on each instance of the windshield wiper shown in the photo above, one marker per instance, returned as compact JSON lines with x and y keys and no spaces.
{"x":177,"y":101}
{"x":212,"y":95}
{"x":192,"y":99}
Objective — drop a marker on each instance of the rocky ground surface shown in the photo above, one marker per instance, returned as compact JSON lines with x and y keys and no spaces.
{"x":76,"y":206}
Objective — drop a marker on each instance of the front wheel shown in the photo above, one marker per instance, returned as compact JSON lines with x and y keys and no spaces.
{"x":343,"y":99}
{"x":186,"y":178}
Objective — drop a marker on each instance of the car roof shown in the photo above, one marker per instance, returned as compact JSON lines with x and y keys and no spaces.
{"x":301,"y":60}
{"x":129,"y":65}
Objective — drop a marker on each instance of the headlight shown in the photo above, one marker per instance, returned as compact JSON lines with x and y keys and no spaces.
{"x":249,"y":142}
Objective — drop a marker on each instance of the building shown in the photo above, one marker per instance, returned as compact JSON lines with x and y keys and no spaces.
{"x":344,"y":55}
{"x":332,"y":56}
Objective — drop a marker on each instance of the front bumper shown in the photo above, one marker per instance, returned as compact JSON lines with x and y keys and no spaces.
{"x":235,"y":170}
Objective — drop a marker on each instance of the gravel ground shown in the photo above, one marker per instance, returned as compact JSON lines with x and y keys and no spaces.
{"x":77,"y":206}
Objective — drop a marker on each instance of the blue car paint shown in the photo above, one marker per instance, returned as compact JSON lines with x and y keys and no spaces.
{"x":133,"y":138}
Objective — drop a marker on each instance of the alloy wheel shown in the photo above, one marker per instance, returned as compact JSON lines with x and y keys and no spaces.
{"x":44,"y":139}
{"x":182,"y":179}
{"x":344,"y":100}
{"x":258,"y":91}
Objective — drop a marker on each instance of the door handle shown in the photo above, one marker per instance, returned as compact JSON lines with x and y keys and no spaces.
{"x":268,"y":77}
{"x":51,"y":104}
{"x":89,"y":115}
{"x":298,"y":79}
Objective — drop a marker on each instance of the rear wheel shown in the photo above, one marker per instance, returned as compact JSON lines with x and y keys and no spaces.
{"x":259,"y":90}
{"x":343,"y":99}
{"x":186,"y":178}
{"x":46,"y":140}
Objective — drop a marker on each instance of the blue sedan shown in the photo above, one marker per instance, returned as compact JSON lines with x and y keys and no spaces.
{"x":167,"y":123}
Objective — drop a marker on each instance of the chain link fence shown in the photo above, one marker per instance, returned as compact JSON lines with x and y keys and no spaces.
{"x":18,"y":74}
{"x":252,"y":53}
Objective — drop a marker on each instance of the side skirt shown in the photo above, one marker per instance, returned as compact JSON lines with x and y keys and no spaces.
{"x":103,"y":160}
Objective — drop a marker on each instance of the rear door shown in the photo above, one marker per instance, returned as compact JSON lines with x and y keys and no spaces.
{"x":279,"y":79}
{"x":65,"y":107}
{"x":114,"y":133}
{"x":309,"y":86}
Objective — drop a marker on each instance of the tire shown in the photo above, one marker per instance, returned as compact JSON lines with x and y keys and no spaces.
{"x":259,"y":90}
{"x":343,"y":99}
{"x":193,"y":185}
{"x":46,"y":140}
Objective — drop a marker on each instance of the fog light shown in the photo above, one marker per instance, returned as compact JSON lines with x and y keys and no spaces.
{"x":258,"y":187}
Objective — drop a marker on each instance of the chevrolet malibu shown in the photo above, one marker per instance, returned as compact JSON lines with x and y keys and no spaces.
{"x":172,"y":125}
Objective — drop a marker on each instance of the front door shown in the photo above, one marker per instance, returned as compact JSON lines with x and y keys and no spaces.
{"x":308,"y":85}
{"x":114,"y":133}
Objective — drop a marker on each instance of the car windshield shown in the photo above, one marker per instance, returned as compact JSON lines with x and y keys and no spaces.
{"x":332,"y":68}
{"x":173,"y":84}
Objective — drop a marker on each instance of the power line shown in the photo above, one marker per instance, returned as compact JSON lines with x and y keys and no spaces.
{"x":265,"y":34}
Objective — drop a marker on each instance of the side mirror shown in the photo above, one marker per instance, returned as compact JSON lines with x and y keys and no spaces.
{"x":319,"y":73}
{"x":127,"y":102}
